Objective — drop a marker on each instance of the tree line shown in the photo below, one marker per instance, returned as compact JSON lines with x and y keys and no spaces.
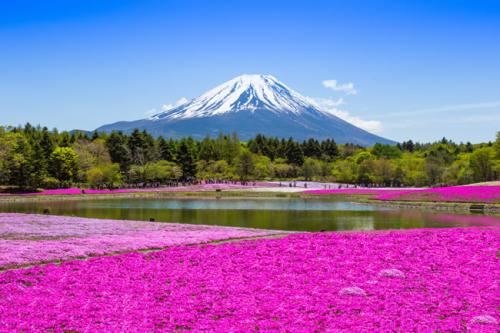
{"x":35,"y":157}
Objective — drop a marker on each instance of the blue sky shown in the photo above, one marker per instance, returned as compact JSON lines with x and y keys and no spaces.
{"x":421,"y":70}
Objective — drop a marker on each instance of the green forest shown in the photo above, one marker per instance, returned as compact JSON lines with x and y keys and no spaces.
{"x":35,"y":157}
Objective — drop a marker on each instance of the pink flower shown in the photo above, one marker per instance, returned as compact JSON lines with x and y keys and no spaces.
{"x":483,"y":194}
{"x":270,"y":285}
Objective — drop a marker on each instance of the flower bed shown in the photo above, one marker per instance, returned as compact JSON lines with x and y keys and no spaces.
{"x":442,"y":280}
{"x":189,"y":188}
{"x":358,"y":191}
{"x":30,"y":238}
{"x":481,"y":194}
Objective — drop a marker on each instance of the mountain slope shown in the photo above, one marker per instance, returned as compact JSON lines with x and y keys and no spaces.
{"x":249,"y":105}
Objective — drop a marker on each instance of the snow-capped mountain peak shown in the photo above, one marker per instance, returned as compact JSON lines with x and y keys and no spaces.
{"x":250,"y":105}
{"x":243,"y":93}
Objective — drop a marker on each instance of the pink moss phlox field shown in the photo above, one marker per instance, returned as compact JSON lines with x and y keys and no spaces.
{"x":30,"y":238}
{"x":189,"y":188}
{"x":357,"y":191}
{"x":425,"y":280}
{"x":482,"y":194}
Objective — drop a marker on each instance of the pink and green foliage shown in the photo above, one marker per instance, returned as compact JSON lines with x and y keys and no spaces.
{"x":442,"y":280}
{"x":358,"y":191}
{"x":189,"y":188}
{"x":29,"y":238}
{"x":482,"y":194}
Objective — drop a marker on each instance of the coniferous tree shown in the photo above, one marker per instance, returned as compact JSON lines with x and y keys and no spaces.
{"x":245,"y":166}
{"x":118,"y":149}
{"x":294,"y":153}
{"x":330,"y":149}
{"x":186,"y":157}
{"x":207,"y":150}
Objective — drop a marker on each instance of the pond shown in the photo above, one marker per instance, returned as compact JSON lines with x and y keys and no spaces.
{"x":298,"y":214}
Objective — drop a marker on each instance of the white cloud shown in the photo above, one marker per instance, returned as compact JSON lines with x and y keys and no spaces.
{"x":443,"y":109}
{"x":331,"y":106}
{"x":165,"y":107}
{"x":347,"y":88}
{"x":151,"y":112}
{"x":328,"y":102}
{"x":179,"y":102}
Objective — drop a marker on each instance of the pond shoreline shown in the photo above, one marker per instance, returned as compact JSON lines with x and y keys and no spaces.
{"x":459,"y":207}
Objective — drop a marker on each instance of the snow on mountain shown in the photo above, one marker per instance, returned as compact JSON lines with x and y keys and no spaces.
{"x":243,"y":93}
{"x":250,"y":105}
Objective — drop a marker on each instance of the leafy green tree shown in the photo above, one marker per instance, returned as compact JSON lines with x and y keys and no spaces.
{"x":481,"y":164}
{"x":136,"y":174}
{"x":497,"y":147}
{"x":283,"y":170}
{"x":386,"y":151}
{"x":459,"y":172}
{"x":245,"y":166}
{"x":64,"y":164}
{"x":434,"y":169}
{"x":91,"y":154}
{"x":18,"y":162}
{"x":233,"y":147}
{"x":362,"y":156}
{"x":207,"y":150}
{"x":137,"y":148}
{"x":32,"y":157}
{"x":344,"y":171}
{"x":104,"y":175}
{"x":95,"y":177}
{"x":384,"y":172}
{"x":214,"y":170}
{"x":263,"y":167}
{"x":366,"y":172}
{"x":311,"y":168}
{"x":162,"y":171}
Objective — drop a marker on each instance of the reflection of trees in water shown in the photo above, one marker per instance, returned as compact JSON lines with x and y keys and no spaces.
{"x":284,"y":216}
{"x":419,"y":218}
{"x":357,"y":223}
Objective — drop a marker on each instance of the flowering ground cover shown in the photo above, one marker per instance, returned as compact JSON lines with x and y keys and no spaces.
{"x":30,"y":238}
{"x":425,"y":280}
{"x":359,"y":191}
{"x":189,"y":188}
{"x":482,"y":194}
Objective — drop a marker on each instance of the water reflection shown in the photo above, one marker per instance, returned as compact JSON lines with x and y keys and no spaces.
{"x":285,"y":214}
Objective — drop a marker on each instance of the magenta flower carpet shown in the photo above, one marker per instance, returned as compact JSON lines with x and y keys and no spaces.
{"x":30,"y":238}
{"x":479,"y":194}
{"x":188,"y":188}
{"x":426,"y":280}
{"x":482,"y":194}
{"x":358,"y":191}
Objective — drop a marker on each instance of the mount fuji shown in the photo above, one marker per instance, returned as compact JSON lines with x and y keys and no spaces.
{"x":251,"y":105}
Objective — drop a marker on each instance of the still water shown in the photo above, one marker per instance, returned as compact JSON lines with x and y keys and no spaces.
{"x":268,"y":213}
